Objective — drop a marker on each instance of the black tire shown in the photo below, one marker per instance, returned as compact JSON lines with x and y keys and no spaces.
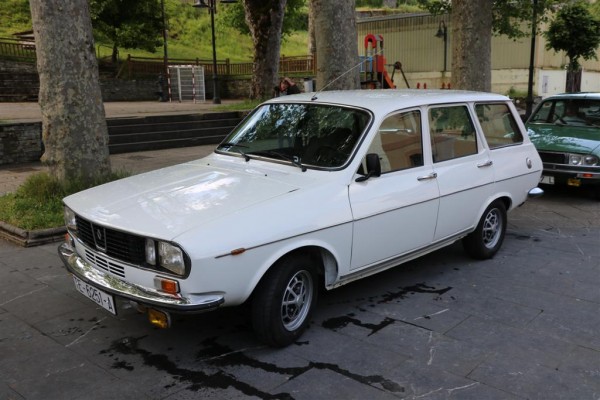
{"x":284,"y":300}
{"x":485,"y":241}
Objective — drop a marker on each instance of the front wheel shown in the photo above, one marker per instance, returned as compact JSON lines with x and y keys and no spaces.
{"x":284,"y":300}
{"x":485,"y":241}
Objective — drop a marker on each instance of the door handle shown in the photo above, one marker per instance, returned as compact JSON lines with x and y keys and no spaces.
{"x":432,"y":175}
{"x":488,"y":163}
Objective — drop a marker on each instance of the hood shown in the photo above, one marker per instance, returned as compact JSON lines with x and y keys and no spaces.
{"x":170,"y":201}
{"x":565,"y":139}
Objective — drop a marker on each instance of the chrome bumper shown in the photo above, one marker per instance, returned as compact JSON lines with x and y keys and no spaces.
{"x":535,"y":192}
{"x":144,"y":296}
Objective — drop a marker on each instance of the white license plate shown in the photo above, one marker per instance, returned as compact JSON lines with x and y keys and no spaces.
{"x":547,"y":179}
{"x":99,"y":297}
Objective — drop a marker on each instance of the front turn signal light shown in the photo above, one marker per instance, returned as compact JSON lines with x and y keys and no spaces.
{"x":166,"y":285}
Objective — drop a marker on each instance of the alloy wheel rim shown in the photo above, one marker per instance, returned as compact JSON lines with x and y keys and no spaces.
{"x":492,"y":227}
{"x":296,"y":300}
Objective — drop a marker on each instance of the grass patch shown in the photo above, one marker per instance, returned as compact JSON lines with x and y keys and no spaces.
{"x":246,"y":105}
{"x":37,"y":204}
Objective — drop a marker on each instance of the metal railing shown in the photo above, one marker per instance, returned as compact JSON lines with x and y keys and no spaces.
{"x":15,"y":49}
{"x":137,"y":67}
{"x":147,"y":66}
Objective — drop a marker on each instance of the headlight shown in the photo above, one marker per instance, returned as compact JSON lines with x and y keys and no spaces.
{"x":171,"y":258}
{"x":575,"y":159}
{"x":150,"y":252}
{"x":165,"y":255}
{"x":70,"y":221}
{"x":579,"y":159}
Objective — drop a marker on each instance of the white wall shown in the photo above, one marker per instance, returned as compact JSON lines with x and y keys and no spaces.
{"x":590,"y":81}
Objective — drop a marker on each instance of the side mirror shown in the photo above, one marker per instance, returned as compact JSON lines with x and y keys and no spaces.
{"x":373,"y":167}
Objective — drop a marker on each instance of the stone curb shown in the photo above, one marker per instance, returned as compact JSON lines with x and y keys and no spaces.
{"x":25,"y":238}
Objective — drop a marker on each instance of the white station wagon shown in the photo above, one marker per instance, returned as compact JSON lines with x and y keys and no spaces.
{"x":310,"y":191}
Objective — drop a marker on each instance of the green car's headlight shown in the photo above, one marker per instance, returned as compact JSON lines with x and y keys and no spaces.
{"x":579,"y":159}
{"x":590,"y":160}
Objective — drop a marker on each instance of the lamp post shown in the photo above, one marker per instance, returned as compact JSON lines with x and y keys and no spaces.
{"x":166,"y":56}
{"x":529,"y":99}
{"x":164,"y":26}
{"x":443,"y":33}
{"x":211,"y":5}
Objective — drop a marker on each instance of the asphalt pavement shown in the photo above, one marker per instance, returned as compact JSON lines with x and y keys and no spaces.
{"x":523,"y":325}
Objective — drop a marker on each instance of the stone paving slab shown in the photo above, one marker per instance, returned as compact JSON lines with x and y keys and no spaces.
{"x":523,"y":325}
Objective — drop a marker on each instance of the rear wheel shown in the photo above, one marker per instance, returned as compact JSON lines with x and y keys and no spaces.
{"x":485,"y":241}
{"x":284,"y":300}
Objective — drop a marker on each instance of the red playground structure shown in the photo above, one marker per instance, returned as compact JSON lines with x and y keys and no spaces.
{"x":374,"y":63}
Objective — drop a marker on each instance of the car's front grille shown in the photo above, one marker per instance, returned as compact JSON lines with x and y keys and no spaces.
{"x":104,"y":263}
{"x":554,"y":158}
{"x":116,"y":244}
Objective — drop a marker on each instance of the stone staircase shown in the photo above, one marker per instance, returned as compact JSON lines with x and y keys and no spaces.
{"x":169,"y":131}
{"x":22,"y":86}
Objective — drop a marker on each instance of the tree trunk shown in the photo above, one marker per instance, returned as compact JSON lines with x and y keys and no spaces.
{"x":471,"y":45}
{"x":312,"y":45}
{"x":337,"y":51}
{"x":73,"y":120}
{"x":265,"y":19}
{"x":114,"y":59}
{"x":573,"y":81}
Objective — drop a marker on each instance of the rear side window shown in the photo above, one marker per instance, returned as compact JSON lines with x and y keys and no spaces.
{"x":452,"y":133}
{"x":498,"y":124}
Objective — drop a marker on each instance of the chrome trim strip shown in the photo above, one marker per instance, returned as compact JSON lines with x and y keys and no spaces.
{"x":145,"y":296}
{"x":572,"y":170}
{"x":395,"y":261}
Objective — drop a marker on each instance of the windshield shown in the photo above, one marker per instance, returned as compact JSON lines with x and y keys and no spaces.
{"x":579,"y":112}
{"x":304,"y":134}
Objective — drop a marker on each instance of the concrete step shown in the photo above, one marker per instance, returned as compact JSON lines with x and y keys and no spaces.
{"x":169,"y":131}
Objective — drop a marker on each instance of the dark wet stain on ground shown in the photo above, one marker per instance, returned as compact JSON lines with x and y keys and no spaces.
{"x":418,"y":288}
{"x":523,"y":237}
{"x":217,"y":355}
{"x":341,"y":322}
{"x":222,"y":357}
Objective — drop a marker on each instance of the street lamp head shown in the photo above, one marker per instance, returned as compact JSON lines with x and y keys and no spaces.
{"x":200,"y":4}
{"x":441,"y":30}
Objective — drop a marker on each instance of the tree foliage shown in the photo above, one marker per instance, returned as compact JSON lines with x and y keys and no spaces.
{"x":296,"y":17}
{"x":135,"y":24}
{"x":509,"y":17}
{"x":576,"y":32}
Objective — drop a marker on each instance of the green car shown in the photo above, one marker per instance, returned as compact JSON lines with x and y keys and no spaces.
{"x":565,"y":129}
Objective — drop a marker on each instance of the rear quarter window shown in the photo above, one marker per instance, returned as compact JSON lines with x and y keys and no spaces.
{"x":498,"y":125}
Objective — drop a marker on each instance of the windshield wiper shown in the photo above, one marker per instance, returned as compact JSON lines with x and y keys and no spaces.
{"x":231,"y":144}
{"x":295,"y":160}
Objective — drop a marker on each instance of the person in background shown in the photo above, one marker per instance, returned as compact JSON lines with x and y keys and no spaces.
{"x":286,"y":86}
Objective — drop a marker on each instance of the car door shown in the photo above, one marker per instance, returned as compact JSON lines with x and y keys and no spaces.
{"x":395,"y":212}
{"x":516,"y":163}
{"x":465,"y":172}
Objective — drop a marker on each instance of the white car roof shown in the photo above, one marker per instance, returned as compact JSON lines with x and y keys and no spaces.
{"x":384,"y":101}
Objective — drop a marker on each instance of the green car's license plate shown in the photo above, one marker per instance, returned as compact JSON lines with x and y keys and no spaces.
{"x":547,"y":179}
